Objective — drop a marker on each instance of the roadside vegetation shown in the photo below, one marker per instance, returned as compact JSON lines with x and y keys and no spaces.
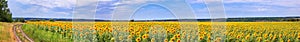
{"x":6,"y":32}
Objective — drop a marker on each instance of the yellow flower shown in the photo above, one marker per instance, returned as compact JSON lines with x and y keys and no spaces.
{"x":152,"y":39}
{"x":137,"y":33}
{"x":112,"y":39}
{"x":145,"y":36}
{"x":132,"y":33}
{"x":166,"y":40}
{"x":138,"y":39}
{"x":238,"y":36}
{"x":280,"y":35}
{"x":247,"y":37}
{"x":299,"y":37}
{"x":200,"y":38}
{"x":129,"y":36}
{"x":258,"y":39}
{"x":298,"y":34}
{"x":178,"y":40}
{"x":265,"y":35}
{"x":178,"y":36}
{"x":173,"y":39}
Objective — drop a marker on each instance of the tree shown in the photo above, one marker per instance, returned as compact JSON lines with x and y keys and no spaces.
{"x":19,"y":20}
{"x":51,"y":20}
{"x":5,"y":15}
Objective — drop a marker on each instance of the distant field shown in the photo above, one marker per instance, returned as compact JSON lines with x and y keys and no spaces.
{"x":163,"y":31}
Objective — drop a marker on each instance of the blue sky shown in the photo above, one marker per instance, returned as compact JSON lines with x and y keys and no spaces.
{"x":104,"y":8}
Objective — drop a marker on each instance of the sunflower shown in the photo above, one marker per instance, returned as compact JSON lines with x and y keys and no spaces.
{"x":145,"y":36}
{"x":238,"y":36}
{"x":138,"y":39}
{"x":132,"y":33}
{"x":152,"y":39}
{"x":299,"y":37}
{"x":129,"y":36}
{"x":200,"y":38}
{"x":280,"y":35}
{"x":265,"y":35}
{"x":137,"y":33}
{"x":173,"y":39}
{"x":177,"y":35}
{"x":112,"y":39}
{"x":166,"y":40}
{"x":298,"y":34}
{"x":247,"y":37}
{"x":178,"y":40}
{"x":259,"y":39}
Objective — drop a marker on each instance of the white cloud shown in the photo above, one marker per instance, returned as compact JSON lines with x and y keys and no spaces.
{"x":40,"y":8}
{"x":285,"y":3}
{"x":50,"y":3}
{"x":105,"y":0}
{"x":86,"y":2}
{"x":36,"y":11}
{"x":85,"y":9}
{"x":138,"y":1}
{"x":262,"y":9}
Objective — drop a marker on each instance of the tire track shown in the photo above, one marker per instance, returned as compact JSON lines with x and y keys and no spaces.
{"x":15,"y":33}
{"x":18,"y":27}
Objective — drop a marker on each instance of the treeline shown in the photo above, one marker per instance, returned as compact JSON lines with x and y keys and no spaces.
{"x":32,"y":19}
{"x":264,"y":19}
{"x":5,"y":14}
{"x":245,"y":19}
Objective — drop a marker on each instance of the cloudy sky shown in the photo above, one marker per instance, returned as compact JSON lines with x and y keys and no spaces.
{"x":104,"y":9}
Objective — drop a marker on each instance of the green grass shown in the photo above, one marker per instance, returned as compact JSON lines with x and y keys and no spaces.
{"x":43,"y":36}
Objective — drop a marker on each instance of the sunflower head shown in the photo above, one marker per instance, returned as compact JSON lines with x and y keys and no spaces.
{"x":112,"y":39}
{"x":173,"y":39}
{"x":129,"y":36}
{"x":200,"y":38}
{"x":299,"y":37}
{"x":138,"y":39}
{"x":178,"y":36}
{"x":132,"y":33}
{"x":265,"y":35}
{"x":238,"y":36}
{"x":145,"y":36}
{"x":152,"y":39}
{"x":166,"y":40}
{"x":259,"y":39}
{"x":280,"y":36}
{"x":178,"y":40}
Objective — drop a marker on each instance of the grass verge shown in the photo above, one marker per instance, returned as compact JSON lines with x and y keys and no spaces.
{"x":6,"y":32}
{"x":43,"y":36}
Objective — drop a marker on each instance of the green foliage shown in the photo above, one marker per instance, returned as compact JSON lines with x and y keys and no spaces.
{"x":19,"y":20}
{"x":5,"y":15}
{"x":52,"y":20}
{"x":40,"y":35}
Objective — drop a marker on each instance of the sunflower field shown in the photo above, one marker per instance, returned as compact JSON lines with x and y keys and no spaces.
{"x":162,"y":32}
